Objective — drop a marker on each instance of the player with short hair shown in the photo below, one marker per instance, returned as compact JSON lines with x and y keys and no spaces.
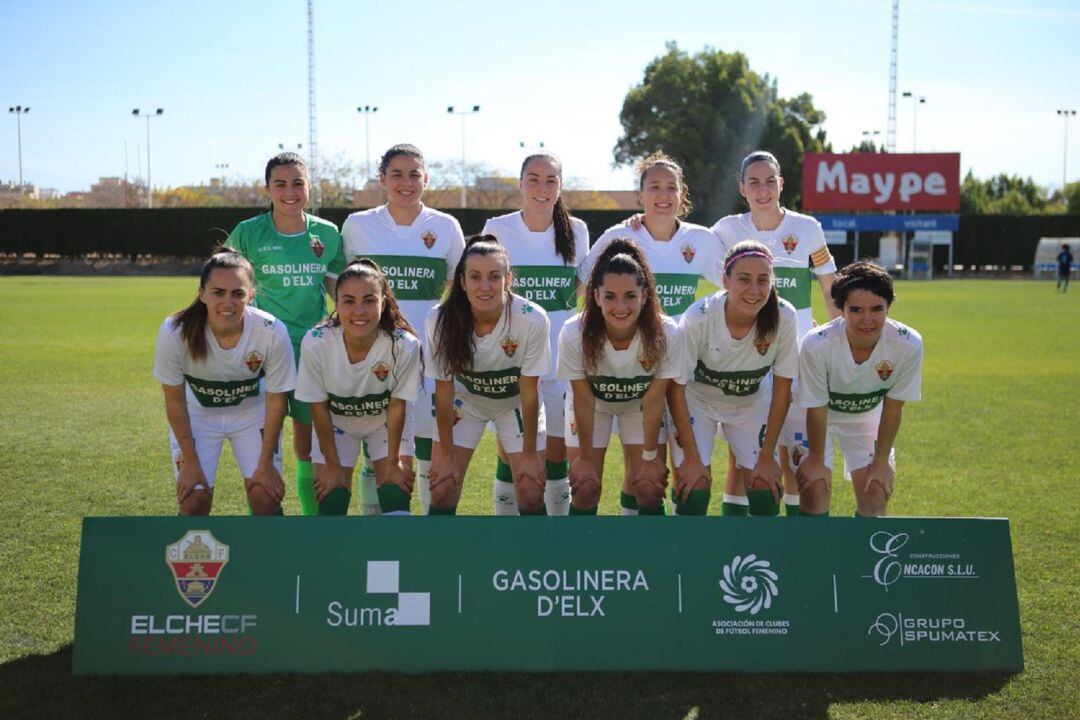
{"x":358,"y":370}
{"x":486,"y":350}
{"x":225,"y":368}
{"x":681,"y":255}
{"x":800,"y":253}
{"x":855,"y":374}
{"x":296,"y":257}
{"x":417,"y":248}
{"x":619,"y":356}
{"x":741,"y":356}
{"x":546,"y":245}
{"x":1064,"y":261}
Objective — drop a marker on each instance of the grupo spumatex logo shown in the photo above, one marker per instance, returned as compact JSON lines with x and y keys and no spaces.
{"x":909,"y":630}
{"x":893,"y":563}
{"x":196,"y":561}
{"x":383,"y":578}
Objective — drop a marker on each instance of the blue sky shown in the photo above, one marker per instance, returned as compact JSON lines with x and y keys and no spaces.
{"x":232,"y":77}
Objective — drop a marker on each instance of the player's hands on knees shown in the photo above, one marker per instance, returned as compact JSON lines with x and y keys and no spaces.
{"x":882,"y":473}
{"x":691,"y":475}
{"x":188,"y":479}
{"x":531,"y":469}
{"x":443,"y":468}
{"x":650,"y":472}
{"x":811,"y":471}
{"x":766,"y":476}
{"x":268,"y":477}
{"x":401,"y":474}
{"x":331,"y":478}
{"x":582,"y":472}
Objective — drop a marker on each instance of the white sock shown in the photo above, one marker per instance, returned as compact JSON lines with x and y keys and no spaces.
{"x":504,"y":497}
{"x":557,"y":496}
{"x":369,"y":497}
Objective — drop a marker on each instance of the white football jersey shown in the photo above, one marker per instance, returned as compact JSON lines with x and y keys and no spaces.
{"x":829,"y":376}
{"x":798,"y":247}
{"x":357,"y":390}
{"x":417,"y":258}
{"x":261,"y":361}
{"x":518,"y":345}
{"x":540,"y":274}
{"x":730,"y":373}
{"x":621,"y":376}
{"x":679,"y":265}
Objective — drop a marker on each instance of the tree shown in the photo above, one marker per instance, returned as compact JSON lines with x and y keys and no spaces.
{"x":1002,"y":195}
{"x":1072,"y":198}
{"x":710,"y":110}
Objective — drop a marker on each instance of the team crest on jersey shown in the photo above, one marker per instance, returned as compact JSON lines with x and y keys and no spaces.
{"x":796,"y":455}
{"x":196,"y":561}
{"x":429,"y":237}
{"x":884,"y":369}
{"x":762,"y":346}
{"x":381,"y":370}
{"x":573,"y":428}
{"x":179,"y":461}
{"x":509,"y":346}
{"x":457,"y":411}
{"x":317,"y":247}
{"x":688,"y":253}
{"x":790,"y":243}
{"x":254,"y":361}
{"x":646,"y":363}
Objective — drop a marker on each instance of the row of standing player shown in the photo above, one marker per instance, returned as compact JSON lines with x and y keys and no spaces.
{"x":416,"y":246}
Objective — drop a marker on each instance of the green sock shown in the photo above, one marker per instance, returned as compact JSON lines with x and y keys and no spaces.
{"x":658,"y":510}
{"x":696,"y":504}
{"x":557,"y":488}
{"x":305,"y":488}
{"x":735,"y":506}
{"x":279,"y":511}
{"x":541,"y":511}
{"x":628,"y":503}
{"x":336,"y":502}
{"x":439,"y":511}
{"x":762,"y":503}
{"x":392,"y":499}
{"x":791,"y":505}
{"x":575,"y":511}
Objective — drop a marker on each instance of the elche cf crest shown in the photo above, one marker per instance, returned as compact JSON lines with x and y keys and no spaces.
{"x":429,"y":237}
{"x":196,"y":561}
{"x":317,"y":247}
{"x":253,"y":361}
{"x":762,"y":346}
{"x":688,"y":253}
{"x":790,"y":243}
{"x":884,"y":369}
{"x":509,"y":346}
{"x":381,"y":370}
{"x":646,"y":363}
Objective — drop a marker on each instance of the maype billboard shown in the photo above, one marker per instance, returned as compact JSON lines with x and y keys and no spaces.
{"x":881,"y":181}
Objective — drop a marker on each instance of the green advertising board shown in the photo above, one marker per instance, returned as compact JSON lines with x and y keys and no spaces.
{"x":234,"y":594}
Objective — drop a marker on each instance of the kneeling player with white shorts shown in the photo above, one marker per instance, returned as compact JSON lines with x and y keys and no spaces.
{"x":619,"y":355}
{"x":741,"y":356}
{"x":486,"y":349}
{"x":225,"y":369}
{"x":855,"y":374}
{"x":358,"y":370}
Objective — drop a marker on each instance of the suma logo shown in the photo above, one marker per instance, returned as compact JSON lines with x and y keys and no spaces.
{"x":429,"y":237}
{"x":196,"y":561}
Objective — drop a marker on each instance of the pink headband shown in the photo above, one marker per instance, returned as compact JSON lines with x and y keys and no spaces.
{"x":745,"y":253}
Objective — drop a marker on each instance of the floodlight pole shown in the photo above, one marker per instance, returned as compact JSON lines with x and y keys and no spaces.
{"x":916,"y":102}
{"x":367,"y":110}
{"x":19,"y":111}
{"x":464,"y":169}
{"x":149,"y":188}
{"x":1066,"y":114}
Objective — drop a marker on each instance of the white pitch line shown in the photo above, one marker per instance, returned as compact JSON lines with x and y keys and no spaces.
{"x":459,"y":594}
{"x":835,"y":597}
{"x":297,"y":594}
{"x":680,"y":592}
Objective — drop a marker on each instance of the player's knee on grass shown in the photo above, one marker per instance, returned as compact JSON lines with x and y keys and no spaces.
{"x":261,"y":503}
{"x":197,"y":503}
{"x":815,"y":499}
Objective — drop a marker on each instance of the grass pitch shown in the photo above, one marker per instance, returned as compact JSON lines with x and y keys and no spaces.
{"x":83,"y":432}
